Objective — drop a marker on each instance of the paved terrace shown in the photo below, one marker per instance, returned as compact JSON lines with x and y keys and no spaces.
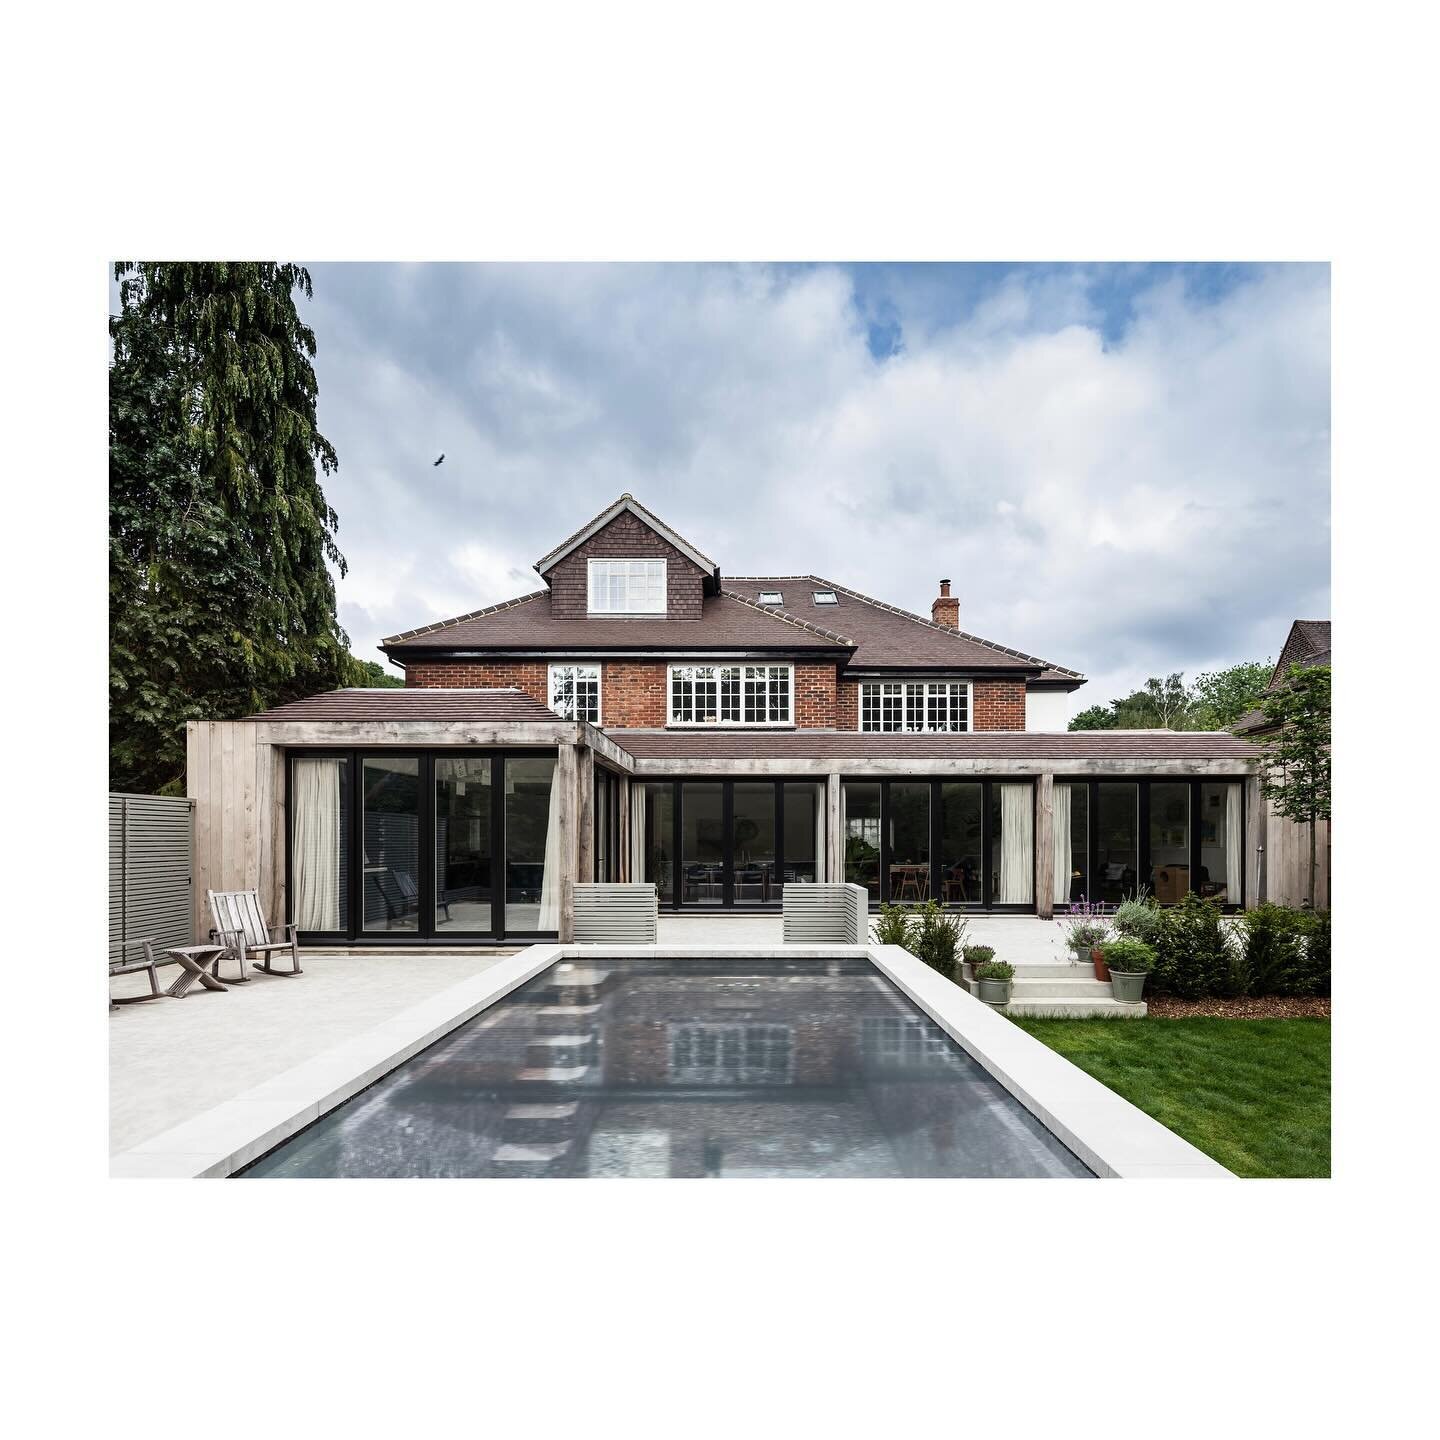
{"x":172,"y":1059}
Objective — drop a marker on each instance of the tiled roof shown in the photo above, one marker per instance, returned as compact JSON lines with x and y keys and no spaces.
{"x":1307,"y":644}
{"x":726,"y":622}
{"x":414,"y":704}
{"x":889,"y":637}
{"x":1118,"y":745}
{"x":626,"y":502}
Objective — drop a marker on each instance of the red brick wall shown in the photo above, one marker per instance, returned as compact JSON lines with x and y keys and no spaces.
{"x":814,"y":698}
{"x":633,"y":694}
{"x":531,"y":676}
{"x":625,"y":537}
{"x":999,"y":705}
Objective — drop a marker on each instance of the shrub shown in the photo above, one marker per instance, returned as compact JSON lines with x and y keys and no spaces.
{"x":978,"y":954}
{"x":895,"y":926}
{"x":1138,"y":918}
{"x":938,"y":936}
{"x":996,"y":970}
{"x":1285,"y":952}
{"x":1133,"y":957}
{"x":1317,"y":952}
{"x":1193,"y":954}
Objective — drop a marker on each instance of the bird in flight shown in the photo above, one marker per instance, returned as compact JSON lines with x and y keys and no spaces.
{"x":440,"y":461}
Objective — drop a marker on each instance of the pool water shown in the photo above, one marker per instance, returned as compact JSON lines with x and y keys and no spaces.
{"x":685,"y":1068}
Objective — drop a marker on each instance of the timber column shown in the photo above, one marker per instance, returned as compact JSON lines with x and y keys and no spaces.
{"x":834,"y":840}
{"x":1045,"y":845}
{"x":567,"y":769}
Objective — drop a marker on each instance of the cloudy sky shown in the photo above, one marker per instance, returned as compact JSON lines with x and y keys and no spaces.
{"x":1124,"y":469}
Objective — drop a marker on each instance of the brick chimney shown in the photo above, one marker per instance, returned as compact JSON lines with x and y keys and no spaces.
{"x":946,"y":610}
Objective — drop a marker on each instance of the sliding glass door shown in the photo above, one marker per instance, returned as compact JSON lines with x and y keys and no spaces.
{"x":737,"y":841}
{"x":1169,"y":838}
{"x":961,"y":842}
{"x":405,"y":846}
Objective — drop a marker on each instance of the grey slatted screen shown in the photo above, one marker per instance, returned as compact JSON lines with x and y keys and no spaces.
{"x":825,"y":915}
{"x":150,"y":872}
{"x":623,"y":913}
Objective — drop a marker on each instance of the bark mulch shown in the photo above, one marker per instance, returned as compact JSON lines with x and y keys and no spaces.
{"x":1250,"y":1007}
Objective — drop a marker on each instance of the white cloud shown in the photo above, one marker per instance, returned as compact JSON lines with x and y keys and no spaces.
{"x":1125,"y":505}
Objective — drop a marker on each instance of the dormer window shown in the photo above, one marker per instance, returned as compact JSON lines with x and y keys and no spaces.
{"x":771,"y":597}
{"x":626,"y":587}
{"x":825,"y":597}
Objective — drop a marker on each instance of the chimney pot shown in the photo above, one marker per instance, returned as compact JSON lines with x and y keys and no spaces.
{"x":946,"y":610}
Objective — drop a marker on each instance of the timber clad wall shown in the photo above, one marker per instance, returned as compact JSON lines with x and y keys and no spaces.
{"x":625,"y":537}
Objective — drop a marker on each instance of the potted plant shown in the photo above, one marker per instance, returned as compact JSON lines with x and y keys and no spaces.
{"x":1130,"y":963}
{"x":975,"y":956}
{"x":1085,"y":929}
{"x":994,"y":977}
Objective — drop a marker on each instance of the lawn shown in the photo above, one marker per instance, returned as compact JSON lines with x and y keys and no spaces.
{"x":1253,"y":1094}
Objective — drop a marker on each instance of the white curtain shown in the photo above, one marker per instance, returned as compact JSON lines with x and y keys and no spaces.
{"x":1017,"y":845}
{"x":315,"y":844}
{"x":1234,"y":845}
{"x":550,"y":876}
{"x":637,"y":832}
{"x":1064,"y":860}
{"x":820,"y":798}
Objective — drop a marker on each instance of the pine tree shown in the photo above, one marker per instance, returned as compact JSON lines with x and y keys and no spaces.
{"x":221,"y":599}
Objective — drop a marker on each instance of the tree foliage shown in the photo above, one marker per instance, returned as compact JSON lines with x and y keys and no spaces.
{"x":373,"y":675}
{"x":1295,"y":751}
{"x":221,"y":598}
{"x":1217,"y":699}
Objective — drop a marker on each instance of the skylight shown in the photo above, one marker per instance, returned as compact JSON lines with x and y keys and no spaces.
{"x":825,"y":597}
{"x":771,"y":597}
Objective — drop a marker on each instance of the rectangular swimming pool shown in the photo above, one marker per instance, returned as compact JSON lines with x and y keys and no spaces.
{"x":685,"y":1068}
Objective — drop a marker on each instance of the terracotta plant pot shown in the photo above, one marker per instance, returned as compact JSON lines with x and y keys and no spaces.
{"x":1102,"y":970}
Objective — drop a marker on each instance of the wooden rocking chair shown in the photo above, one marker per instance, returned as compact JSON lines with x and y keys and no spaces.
{"x":239,"y":925}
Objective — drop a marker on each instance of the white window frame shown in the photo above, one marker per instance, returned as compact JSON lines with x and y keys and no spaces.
{"x":912,"y":707}
{"x":642,"y":589}
{"x":718,"y":696}
{"x":577,"y":675}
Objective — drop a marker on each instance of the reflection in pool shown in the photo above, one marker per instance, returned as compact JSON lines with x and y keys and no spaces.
{"x":686,"y":1068}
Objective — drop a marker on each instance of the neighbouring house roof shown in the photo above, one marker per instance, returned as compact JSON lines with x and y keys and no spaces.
{"x":414,"y":704}
{"x":887,"y":637}
{"x":1123,"y":746}
{"x":626,"y":502}
{"x":727,"y":622}
{"x":1307,"y":644}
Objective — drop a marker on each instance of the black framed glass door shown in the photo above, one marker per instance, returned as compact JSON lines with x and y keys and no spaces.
{"x":408,"y":846}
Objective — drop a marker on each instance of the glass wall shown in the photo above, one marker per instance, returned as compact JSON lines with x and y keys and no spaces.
{"x":1221,"y":843}
{"x":961,"y":842}
{"x":1169,"y":859}
{"x":753,"y":838}
{"x":861,"y":809}
{"x":1012,"y":844}
{"x":804,"y":837}
{"x":908,"y":823}
{"x":702,"y":842}
{"x":659,"y":827}
{"x":390,"y":791}
{"x":1071,"y":828}
{"x":1117,"y":841}
{"x":320,"y":842}
{"x":532,"y":865}
{"x":464,"y":880}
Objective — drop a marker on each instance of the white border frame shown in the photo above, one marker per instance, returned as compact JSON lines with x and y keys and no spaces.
{"x":598,"y":666}
{"x":595,"y":560}
{"x":742,"y":724}
{"x":1112,"y":1136}
{"x":969,"y":707}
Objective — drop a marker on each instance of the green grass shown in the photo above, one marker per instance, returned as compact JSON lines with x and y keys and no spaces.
{"x":1252,"y":1094}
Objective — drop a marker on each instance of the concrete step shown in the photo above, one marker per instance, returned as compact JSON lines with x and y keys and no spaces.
{"x":1055,"y":972}
{"x":1061,"y":1008}
{"x":1024,"y":988}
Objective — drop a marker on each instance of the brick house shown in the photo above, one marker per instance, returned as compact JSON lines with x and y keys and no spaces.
{"x":646,"y":715}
